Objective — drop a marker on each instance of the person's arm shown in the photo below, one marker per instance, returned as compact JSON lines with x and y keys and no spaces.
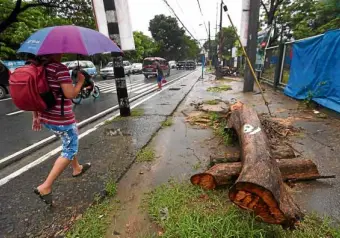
{"x":36,"y":125}
{"x":71,"y":91}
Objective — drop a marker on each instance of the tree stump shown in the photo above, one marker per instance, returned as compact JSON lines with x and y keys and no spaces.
{"x":259,"y":187}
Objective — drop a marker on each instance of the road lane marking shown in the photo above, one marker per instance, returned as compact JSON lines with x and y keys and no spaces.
{"x":14,"y":113}
{"x":5,"y":99}
{"x":26,"y":149}
{"x":85,"y":121}
{"x":144,"y":89}
{"x":58,"y":149}
{"x":130,"y":88}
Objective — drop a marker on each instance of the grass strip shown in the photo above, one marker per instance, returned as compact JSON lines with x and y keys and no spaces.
{"x":193,"y":212}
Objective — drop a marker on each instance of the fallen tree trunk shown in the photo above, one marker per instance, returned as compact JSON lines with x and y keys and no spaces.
{"x":259,"y":186}
{"x":226,"y":173}
{"x":227,"y":158}
{"x":279,"y":152}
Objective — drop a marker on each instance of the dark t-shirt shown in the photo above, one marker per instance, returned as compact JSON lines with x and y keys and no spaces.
{"x":159,"y":69}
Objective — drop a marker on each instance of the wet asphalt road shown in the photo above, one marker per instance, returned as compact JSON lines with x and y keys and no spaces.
{"x":15,"y":126}
{"x":22,"y":214}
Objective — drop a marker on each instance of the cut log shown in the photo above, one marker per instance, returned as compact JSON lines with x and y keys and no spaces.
{"x":259,"y":186}
{"x":226,"y":173}
{"x":282,"y":152}
{"x":227,"y":158}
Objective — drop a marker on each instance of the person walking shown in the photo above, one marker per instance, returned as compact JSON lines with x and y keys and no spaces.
{"x":61,"y":121}
{"x":160,"y":74}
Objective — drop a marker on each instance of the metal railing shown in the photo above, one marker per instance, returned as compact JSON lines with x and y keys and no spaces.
{"x":277,"y":64}
{"x":269,"y":66}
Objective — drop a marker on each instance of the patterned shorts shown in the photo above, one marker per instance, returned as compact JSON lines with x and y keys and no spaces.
{"x":69,"y":138}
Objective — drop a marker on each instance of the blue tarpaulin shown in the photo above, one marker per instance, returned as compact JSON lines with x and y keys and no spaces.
{"x":315,"y":70}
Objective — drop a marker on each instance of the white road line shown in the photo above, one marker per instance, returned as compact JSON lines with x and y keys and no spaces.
{"x":129,"y":88}
{"x":55,"y":151}
{"x":26,"y":149}
{"x":144,"y":89}
{"x":14,"y":113}
{"x":5,"y":99}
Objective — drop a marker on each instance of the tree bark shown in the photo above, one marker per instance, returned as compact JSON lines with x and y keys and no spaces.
{"x":227,"y":173}
{"x":278,"y":152}
{"x":18,"y":9}
{"x":12,"y":17}
{"x":259,"y":187}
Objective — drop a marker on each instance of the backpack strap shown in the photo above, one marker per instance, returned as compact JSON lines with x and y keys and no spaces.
{"x":62,"y":110}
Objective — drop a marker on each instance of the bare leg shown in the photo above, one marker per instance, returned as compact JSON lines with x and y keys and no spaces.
{"x":76,"y":166}
{"x":58,"y":167}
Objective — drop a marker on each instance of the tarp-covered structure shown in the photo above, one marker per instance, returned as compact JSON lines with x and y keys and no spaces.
{"x":315,"y":70}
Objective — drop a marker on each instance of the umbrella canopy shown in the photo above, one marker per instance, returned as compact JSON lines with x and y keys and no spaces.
{"x":68,"y":39}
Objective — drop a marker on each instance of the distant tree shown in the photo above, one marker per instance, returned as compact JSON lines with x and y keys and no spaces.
{"x":189,"y":48}
{"x":145,"y":47}
{"x":167,"y":33}
{"x":213,"y":44}
{"x":228,"y":41}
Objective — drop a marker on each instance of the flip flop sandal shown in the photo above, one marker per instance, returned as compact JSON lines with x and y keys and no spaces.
{"x":47,"y":198}
{"x":83,"y":170}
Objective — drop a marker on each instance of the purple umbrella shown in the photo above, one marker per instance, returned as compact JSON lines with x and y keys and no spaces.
{"x":68,"y":39}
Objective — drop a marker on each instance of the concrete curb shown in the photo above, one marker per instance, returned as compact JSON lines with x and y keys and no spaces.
{"x":30,"y":149}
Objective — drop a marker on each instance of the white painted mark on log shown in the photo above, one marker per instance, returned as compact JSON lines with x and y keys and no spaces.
{"x":249,"y":129}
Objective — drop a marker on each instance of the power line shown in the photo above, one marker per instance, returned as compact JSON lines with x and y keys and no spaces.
{"x":199,"y":6}
{"x":191,"y":27}
{"x":172,"y":10}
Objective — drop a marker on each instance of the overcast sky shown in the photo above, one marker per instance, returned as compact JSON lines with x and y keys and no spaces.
{"x":142,"y":11}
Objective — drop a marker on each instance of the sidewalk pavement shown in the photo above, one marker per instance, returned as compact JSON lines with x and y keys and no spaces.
{"x":22,"y":214}
{"x":182,"y":150}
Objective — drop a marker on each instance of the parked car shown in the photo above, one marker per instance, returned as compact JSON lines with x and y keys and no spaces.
{"x":172,"y":64}
{"x":180,"y":65}
{"x":149,"y":66}
{"x":190,"y":64}
{"x":108,"y":71}
{"x":127,"y":67}
{"x":4,"y":78}
{"x":88,"y":66}
{"x":137,"y":68}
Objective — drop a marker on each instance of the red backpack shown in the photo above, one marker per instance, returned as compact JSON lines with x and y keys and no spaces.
{"x":29,"y":88}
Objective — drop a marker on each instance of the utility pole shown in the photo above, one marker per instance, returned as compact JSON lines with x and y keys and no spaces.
{"x":215,"y":57}
{"x":209,"y":52}
{"x":253,"y":27}
{"x":221,"y":35}
{"x":118,"y":65}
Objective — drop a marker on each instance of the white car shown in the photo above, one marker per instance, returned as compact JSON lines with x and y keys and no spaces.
{"x":172,"y":64}
{"x":107,"y":71}
{"x":137,"y":68}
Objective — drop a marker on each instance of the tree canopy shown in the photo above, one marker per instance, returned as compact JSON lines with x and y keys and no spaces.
{"x":171,"y":38}
{"x":297,"y":19}
{"x":18,"y":20}
{"x":229,"y":39}
{"x":145,"y":47}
